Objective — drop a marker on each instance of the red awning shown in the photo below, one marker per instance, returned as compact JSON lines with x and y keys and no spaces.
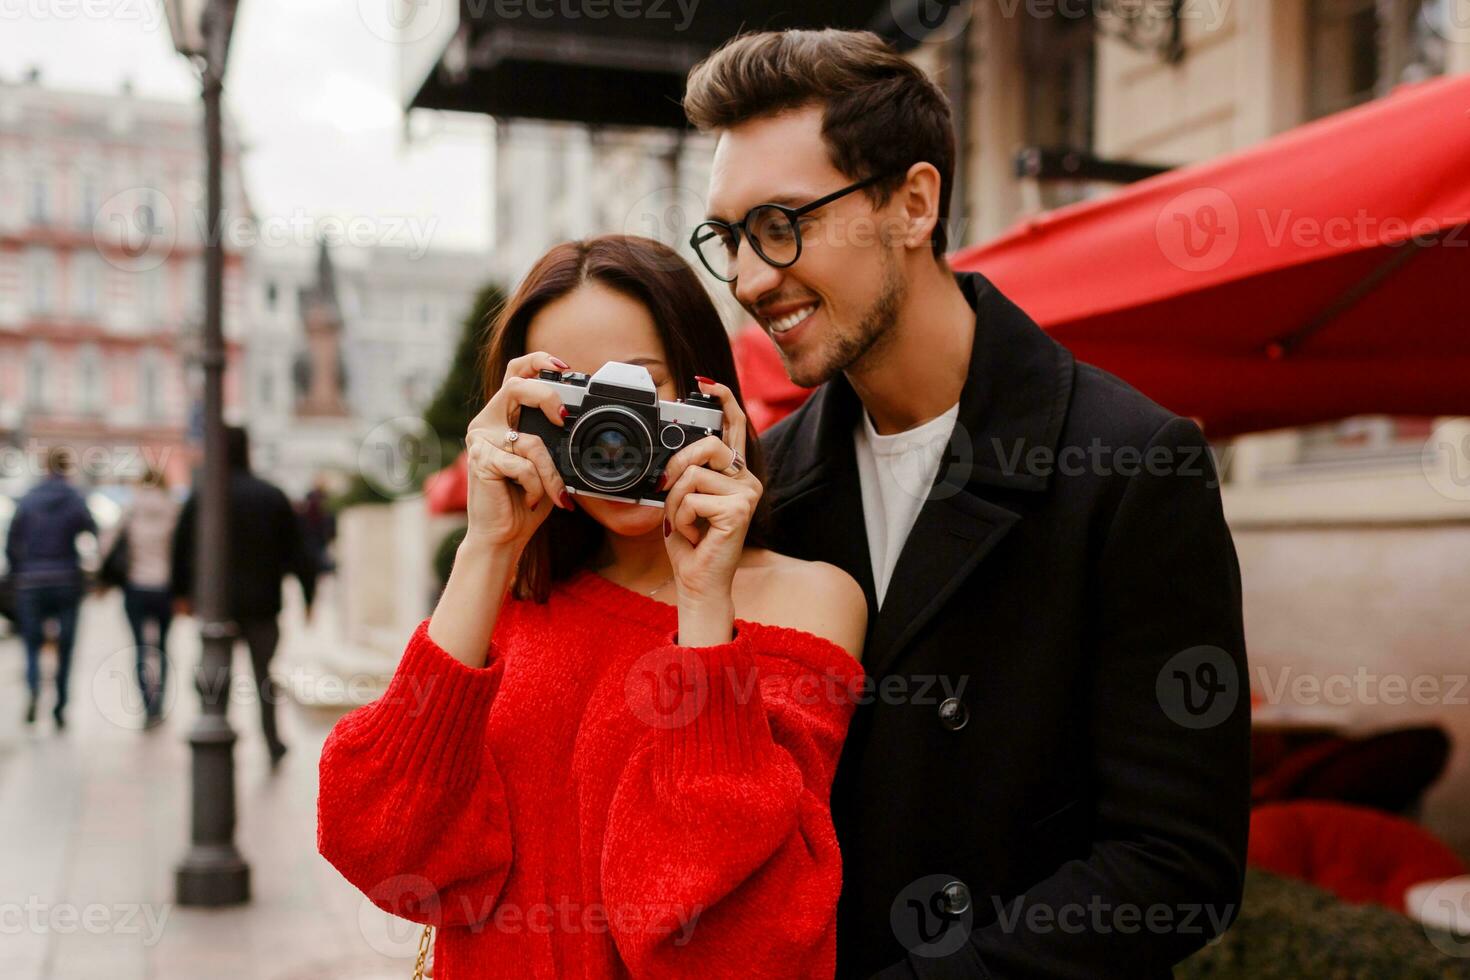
{"x":1321,"y":274}
{"x":447,"y":491}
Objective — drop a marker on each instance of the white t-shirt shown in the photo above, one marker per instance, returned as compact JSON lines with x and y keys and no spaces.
{"x":896,"y":473}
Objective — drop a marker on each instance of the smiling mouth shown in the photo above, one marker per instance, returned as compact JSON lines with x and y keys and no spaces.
{"x":790,"y":321}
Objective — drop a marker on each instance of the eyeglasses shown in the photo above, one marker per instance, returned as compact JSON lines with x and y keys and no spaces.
{"x":774,"y":231}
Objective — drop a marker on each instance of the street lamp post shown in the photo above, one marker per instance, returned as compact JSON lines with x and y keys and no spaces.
{"x":213,"y":872}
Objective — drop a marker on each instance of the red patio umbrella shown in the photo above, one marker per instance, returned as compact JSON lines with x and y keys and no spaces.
{"x":1320,"y":274}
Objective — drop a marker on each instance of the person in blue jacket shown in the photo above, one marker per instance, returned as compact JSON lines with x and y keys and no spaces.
{"x":46,"y":570}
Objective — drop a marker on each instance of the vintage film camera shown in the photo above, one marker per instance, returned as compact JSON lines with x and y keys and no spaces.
{"x":618,"y":435}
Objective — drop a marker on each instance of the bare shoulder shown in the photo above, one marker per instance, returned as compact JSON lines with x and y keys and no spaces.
{"x":814,"y":596}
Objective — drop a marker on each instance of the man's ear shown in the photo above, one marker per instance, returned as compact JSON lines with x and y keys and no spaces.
{"x":917,"y":199}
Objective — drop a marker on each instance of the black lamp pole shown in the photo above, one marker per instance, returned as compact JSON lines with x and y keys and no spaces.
{"x":213,"y":872}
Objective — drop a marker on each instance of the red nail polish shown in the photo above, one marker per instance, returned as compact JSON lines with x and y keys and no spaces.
{"x":562,"y":410}
{"x":662,"y":479}
{"x":560,"y":363}
{"x":566,"y":500}
{"x":702,"y":379}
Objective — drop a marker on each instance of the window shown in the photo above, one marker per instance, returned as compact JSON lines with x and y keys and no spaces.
{"x":267,"y":389}
{"x":193,"y":272}
{"x":87,"y":203}
{"x":1060,"y":56}
{"x":1360,"y":49}
{"x":37,"y":377}
{"x":150,"y":386}
{"x":150,"y":289}
{"x":40,"y":199}
{"x":41,"y":280}
{"x":90,"y":396}
{"x":87,"y":284}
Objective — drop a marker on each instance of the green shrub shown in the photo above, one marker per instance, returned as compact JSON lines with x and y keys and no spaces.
{"x":1290,"y":929}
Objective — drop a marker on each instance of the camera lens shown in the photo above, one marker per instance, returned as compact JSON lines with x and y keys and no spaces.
{"x":611,"y":448}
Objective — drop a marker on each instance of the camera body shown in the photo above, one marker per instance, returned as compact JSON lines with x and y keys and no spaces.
{"x":618,"y":435}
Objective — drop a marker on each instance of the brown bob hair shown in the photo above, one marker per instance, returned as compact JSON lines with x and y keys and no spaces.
{"x":694,"y":342}
{"x":881,"y":113}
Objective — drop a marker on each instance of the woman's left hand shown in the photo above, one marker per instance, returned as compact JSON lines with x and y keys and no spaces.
{"x":706,"y":514}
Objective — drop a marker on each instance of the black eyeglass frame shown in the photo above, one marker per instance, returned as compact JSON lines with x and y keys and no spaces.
{"x":738,"y":228}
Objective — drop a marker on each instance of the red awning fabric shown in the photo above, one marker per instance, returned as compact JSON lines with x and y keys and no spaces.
{"x":1321,"y":274}
{"x":447,"y":491}
{"x":768,"y":393}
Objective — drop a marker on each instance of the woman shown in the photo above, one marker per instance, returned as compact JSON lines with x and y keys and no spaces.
{"x":146,"y":531}
{"x":609,"y":751}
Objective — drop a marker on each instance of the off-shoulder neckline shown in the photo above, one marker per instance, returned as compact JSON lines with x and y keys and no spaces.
{"x":588,"y":584}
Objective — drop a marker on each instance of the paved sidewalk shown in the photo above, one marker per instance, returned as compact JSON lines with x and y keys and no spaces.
{"x":94,"y":819}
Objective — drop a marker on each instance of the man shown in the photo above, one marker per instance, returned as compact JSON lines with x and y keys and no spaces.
{"x":1048,"y":776}
{"x":264,"y":544}
{"x":41,"y":549}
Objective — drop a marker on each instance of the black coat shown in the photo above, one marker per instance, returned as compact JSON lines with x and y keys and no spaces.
{"x":265,"y":544}
{"x":1055,"y":781}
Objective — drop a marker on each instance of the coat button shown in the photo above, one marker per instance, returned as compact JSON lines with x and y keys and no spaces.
{"x":953,"y":714}
{"x":954,"y":898}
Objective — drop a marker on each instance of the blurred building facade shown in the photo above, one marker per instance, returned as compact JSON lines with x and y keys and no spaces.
{"x":346,"y":339}
{"x":101,"y":277}
{"x":558,"y":181}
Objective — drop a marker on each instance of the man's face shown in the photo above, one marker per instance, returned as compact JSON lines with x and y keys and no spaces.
{"x":843,"y":294}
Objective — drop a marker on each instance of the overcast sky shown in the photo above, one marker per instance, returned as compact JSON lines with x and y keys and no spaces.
{"x":312,"y":90}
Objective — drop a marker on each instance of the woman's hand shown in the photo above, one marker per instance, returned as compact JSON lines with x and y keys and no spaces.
{"x":513,"y":485}
{"x":706,"y":515}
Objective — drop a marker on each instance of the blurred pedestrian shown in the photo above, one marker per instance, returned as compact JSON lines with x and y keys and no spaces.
{"x":144,"y":539}
{"x":263,"y":545}
{"x":318,"y":526}
{"x":42,"y":550}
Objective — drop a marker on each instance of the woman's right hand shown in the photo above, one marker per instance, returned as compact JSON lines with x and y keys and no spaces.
{"x":513,"y":486}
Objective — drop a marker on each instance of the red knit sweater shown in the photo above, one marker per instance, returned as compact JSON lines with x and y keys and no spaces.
{"x":597,"y":801}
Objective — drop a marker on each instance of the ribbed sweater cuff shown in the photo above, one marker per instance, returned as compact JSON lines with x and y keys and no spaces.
{"x":720,"y":722}
{"x":431,"y":720}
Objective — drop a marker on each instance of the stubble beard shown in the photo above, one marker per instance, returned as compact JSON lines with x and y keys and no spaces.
{"x":845,"y":351}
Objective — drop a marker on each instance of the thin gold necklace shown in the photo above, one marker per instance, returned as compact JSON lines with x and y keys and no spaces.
{"x":660,"y":585}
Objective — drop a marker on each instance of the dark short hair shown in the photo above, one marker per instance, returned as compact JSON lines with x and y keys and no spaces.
{"x":237,"y":447}
{"x":58,"y":461}
{"x":881,"y":113}
{"x":694,"y":342}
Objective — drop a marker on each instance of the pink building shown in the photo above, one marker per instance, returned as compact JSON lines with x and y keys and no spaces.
{"x":101,"y":278}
